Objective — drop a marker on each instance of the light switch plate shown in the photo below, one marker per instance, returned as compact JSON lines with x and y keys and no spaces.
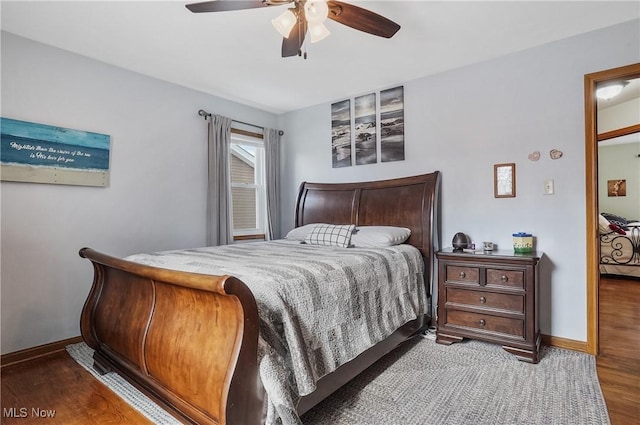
{"x":549,"y":187}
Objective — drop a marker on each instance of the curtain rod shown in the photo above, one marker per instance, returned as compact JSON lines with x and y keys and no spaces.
{"x":206,"y":114}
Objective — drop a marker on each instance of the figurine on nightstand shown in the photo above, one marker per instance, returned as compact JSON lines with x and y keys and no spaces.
{"x":459,"y":242}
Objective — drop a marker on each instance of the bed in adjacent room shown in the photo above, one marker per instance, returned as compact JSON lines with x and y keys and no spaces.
{"x":619,"y":246}
{"x":261,"y":332}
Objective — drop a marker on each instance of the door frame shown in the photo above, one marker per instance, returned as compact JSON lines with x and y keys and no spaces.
{"x":591,"y":163}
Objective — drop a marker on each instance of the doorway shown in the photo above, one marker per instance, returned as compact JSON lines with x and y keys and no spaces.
{"x":591,"y":83}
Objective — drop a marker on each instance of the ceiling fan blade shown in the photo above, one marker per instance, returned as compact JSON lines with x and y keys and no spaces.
{"x":225,"y":5}
{"x":291,"y":45}
{"x":361,"y":19}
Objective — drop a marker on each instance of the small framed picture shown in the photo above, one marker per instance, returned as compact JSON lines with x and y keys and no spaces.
{"x":617,"y":187}
{"x":504,"y":180}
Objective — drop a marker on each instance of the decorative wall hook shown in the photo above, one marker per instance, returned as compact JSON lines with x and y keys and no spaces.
{"x":555,"y":154}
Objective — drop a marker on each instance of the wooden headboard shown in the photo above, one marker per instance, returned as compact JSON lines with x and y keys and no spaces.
{"x":411,"y":202}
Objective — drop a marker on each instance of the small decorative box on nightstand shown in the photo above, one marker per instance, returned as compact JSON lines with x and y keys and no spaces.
{"x":490,"y":296}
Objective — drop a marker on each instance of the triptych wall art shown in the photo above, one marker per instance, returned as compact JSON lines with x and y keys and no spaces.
{"x":363,"y":131}
{"x":40,"y":153}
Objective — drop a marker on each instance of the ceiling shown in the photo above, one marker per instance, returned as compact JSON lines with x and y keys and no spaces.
{"x":236,"y":55}
{"x":629,"y":92}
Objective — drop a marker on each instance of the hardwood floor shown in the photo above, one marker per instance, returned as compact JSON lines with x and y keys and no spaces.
{"x":54,"y":389}
{"x":619,"y":360}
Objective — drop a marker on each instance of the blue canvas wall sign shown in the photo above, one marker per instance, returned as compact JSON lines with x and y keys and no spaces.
{"x":40,"y":153}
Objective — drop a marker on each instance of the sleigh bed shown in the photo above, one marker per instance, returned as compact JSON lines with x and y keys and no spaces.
{"x":200,"y":344}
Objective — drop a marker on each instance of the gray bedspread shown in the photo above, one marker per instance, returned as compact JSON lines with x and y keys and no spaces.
{"x":319,"y":306}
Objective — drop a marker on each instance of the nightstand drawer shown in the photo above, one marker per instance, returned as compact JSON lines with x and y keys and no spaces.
{"x":460,"y":274}
{"x":497,"y":324}
{"x":508,"y":302}
{"x":510,"y":278}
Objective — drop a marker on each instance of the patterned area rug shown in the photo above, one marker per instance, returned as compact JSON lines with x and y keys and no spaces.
{"x":469,"y":383}
{"x":82,"y":354}
{"x":422,"y":382}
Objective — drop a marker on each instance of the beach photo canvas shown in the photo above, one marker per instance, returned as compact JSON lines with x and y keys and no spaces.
{"x":392,"y":124}
{"x":341,"y":134}
{"x":365,"y":129}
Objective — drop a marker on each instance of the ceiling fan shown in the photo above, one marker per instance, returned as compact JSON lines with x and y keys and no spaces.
{"x":307,"y":15}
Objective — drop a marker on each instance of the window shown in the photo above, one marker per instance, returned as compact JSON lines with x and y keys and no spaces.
{"x":247,"y":185}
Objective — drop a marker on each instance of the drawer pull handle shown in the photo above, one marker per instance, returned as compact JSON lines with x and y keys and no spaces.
{"x":482,"y":322}
{"x":463,"y":275}
{"x":504,"y":278}
{"x":483,"y":300}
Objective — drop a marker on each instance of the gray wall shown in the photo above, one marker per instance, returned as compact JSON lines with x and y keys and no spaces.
{"x":460,"y":122}
{"x":464,"y":121}
{"x":156,"y":199}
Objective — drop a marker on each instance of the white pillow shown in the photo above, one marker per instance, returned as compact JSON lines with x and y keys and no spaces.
{"x":372,"y":236}
{"x":331,"y":235}
{"x":603,"y":225}
{"x":301,"y":233}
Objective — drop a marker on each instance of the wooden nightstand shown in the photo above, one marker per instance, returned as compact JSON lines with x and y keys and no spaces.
{"x":490,"y":296}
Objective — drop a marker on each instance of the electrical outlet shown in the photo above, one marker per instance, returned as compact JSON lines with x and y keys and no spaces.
{"x":548,"y":187}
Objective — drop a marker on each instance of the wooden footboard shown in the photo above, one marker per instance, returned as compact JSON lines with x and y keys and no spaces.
{"x":187,"y":340}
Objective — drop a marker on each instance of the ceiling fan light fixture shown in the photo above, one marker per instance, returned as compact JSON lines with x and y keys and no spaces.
{"x":316,"y":11}
{"x":610,"y":91}
{"x":318,"y":31}
{"x":307,"y":16}
{"x":285,"y":22}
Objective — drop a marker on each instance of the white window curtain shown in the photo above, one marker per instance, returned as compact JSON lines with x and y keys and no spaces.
{"x":219,"y":231}
{"x":272,"y":174}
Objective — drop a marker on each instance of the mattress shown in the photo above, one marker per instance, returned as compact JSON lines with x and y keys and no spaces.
{"x":319,"y":306}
